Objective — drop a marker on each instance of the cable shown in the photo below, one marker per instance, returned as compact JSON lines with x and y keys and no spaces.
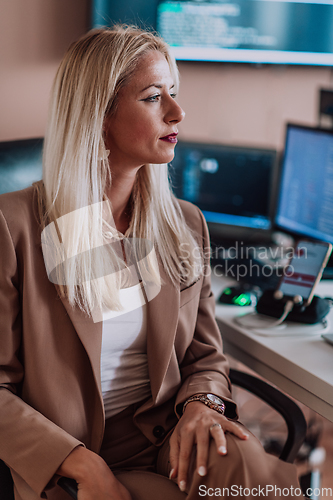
{"x":289,"y":305}
{"x":330,"y":301}
{"x":261,"y":324}
{"x":287,"y":309}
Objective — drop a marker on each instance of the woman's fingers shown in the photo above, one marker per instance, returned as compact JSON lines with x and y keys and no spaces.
{"x":185,"y":452}
{"x":197,"y":426}
{"x":217,"y":434}
{"x":236,"y":429}
{"x":202,"y":450}
{"x":174,"y":455}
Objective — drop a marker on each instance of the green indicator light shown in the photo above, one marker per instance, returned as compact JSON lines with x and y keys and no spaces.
{"x":227,"y":291}
{"x":242,"y":300}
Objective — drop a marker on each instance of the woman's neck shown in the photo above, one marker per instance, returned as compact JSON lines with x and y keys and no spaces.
{"x":119,"y":193}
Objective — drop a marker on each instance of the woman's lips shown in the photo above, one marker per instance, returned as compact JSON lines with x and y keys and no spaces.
{"x":170,"y":138}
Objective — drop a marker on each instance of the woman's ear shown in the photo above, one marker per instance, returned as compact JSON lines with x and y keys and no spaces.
{"x":104,"y":127}
{"x":103,"y":152}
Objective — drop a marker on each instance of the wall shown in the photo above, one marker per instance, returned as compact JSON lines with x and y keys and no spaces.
{"x":34,"y":35}
{"x":228,"y":103}
{"x":245,"y":104}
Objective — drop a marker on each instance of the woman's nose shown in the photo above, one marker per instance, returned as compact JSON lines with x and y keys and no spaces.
{"x":175,"y":113}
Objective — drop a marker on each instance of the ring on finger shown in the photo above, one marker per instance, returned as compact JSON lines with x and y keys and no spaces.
{"x":216,"y":424}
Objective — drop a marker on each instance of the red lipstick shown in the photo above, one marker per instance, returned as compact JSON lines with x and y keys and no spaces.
{"x":170,"y":138}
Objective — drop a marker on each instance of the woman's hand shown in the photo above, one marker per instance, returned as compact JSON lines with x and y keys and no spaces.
{"x":94,"y":478}
{"x":197,"y":425}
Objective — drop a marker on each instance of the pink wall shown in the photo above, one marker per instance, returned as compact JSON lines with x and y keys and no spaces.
{"x":228,"y":103}
{"x":34,"y":35}
{"x":245,"y":104}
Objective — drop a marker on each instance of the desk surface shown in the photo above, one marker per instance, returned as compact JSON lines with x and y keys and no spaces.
{"x":300,"y":365}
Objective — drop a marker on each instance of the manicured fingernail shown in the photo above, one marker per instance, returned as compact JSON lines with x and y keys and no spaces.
{"x":202,"y":471}
{"x":171,"y":473}
{"x":182,"y":485}
{"x":223,"y":449}
{"x":246,"y":435}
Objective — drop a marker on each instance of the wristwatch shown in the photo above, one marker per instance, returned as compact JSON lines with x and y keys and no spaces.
{"x":210,"y":400}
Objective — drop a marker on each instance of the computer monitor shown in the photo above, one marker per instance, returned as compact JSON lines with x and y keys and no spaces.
{"x":20,"y":164}
{"x":250,"y":31}
{"x":305,"y":193}
{"x":231,"y":185}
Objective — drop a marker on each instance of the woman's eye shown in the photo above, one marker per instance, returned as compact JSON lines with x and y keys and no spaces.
{"x":157,"y":97}
{"x":153,"y":98}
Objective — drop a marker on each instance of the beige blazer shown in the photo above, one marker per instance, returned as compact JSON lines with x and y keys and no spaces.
{"x":50,"y":396}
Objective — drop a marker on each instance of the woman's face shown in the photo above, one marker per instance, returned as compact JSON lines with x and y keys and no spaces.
{"x":143,"y":128}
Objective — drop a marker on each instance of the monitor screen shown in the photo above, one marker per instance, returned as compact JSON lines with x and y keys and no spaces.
{"x":231,"y":185}
{"x":305,"y":197}
{"x":20,"y":164}
{"x":254,"y":31}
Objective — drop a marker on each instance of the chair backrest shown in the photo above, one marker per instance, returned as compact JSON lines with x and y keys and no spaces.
{"x":287,"y":408}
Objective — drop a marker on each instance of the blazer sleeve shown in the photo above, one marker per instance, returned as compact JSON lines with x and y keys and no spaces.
{"x":30,"y":444}
{"x":204,"y":368}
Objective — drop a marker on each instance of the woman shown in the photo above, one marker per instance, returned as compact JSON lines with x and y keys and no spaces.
{"x":102,"y":364}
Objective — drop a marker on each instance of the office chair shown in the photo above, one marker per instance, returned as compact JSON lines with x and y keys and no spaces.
{"x":287,"y":408}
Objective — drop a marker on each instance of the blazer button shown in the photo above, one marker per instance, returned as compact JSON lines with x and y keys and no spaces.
{"x":159,"y":431}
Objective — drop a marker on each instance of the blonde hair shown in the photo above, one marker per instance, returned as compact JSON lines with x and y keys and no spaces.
{"x":76,"y":170}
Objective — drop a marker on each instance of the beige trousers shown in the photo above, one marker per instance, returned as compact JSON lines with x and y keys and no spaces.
{"x":247,"y":471}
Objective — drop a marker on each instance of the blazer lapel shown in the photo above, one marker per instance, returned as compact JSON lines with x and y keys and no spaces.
{"x":90,"y":334}
{"x":162,"y":318}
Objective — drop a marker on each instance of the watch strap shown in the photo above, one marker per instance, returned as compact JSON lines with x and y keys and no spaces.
{"x":204,"y":399}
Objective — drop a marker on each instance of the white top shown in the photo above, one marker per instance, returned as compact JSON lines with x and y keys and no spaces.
{"x":124,"y":364}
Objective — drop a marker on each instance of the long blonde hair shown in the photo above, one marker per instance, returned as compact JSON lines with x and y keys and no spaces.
{"x":76,"y":169}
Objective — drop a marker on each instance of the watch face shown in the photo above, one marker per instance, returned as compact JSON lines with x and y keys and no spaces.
{"x":214,"y":399}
